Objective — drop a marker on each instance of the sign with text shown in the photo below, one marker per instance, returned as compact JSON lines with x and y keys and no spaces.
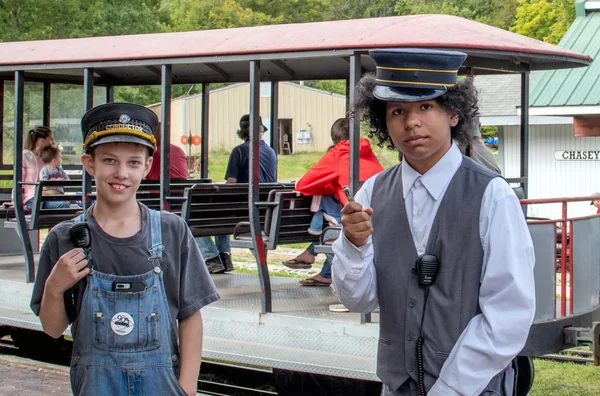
{"x":577,"y":155}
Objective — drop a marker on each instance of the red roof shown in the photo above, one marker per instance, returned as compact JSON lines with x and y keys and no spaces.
{"x":439,"y":31}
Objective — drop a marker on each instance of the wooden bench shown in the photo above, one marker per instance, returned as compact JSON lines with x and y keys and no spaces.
{"x":286,"y":220}
{"x":148,"y":193}
{"x":216,"y":209}
{"x":39,"y":217}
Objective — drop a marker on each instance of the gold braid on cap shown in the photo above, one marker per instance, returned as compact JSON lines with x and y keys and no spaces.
{"x":98,"y":134}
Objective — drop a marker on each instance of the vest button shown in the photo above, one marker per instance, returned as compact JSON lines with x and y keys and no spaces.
{"x":409,"y":338}
{"x":411,"y":304}
{"x":174,"y":358}
{"x":410,"y":369}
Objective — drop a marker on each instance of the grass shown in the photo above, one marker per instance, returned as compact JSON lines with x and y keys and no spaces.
{"x":290,"y":167}
{"x":562,"y":378}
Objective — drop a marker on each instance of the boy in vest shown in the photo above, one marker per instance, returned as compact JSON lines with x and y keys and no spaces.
{"x":141,"y":281}
{"x":438,"y":241}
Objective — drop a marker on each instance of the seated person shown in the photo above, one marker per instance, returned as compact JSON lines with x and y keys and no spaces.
{"x":326,"y":178}
{"x":218,"y":254}
{"x":52,"y":169}
{"x":37,"y":138}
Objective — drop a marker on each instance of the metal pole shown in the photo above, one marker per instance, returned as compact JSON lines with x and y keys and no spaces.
{"x":46,"y":104}
{"x":275,"y":119}
{"x":110,"y":94}
{"x":18,"y":176}
{"x":354,"y":125}
{"x":352,"y":82}
{"x":165,"y":136}
{"x":525,"y":132}
{"x":88,"y":97}
{"x":253,"y":189}
{"x":2,"y":121}
{"x":204,"y":131}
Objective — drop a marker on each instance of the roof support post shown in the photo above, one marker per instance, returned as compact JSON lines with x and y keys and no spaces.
{"x":46,"y":103}
{"x":165,"y":136}
{"x":204,"y":130}
{"x":110,"y":94}
{"x":1,"y":121}
{"x":18,"y":175}
{"x":275,"y":118}
{"x":354,"y":124}
{"x":525,"y":133}
{"x":88,"y":100}
{"x":260,"y":253}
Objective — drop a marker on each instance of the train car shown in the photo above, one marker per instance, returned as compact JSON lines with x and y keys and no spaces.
{"x":271,"y":321}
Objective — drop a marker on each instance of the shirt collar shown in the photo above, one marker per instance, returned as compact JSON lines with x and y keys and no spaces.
{"x":435,"y":179}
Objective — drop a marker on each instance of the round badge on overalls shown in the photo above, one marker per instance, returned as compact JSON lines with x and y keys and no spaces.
{"x":122,"y":323}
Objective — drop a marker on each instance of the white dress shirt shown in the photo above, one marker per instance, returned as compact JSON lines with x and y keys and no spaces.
{"x":507,"y":291}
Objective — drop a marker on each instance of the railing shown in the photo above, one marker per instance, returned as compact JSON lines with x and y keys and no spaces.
{"x":564,"y":233}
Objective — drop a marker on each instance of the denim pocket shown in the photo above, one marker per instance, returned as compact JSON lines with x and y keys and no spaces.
{"x":126,"y":322}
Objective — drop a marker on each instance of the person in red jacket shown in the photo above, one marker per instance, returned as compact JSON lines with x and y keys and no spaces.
{"x":326,"y":179}
{"x":179,"y":163}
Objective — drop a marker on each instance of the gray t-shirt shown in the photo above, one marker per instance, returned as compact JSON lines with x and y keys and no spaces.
{"x":188,"y":285}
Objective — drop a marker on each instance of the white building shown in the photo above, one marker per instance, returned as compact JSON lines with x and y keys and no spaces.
{"x":564,"y":132}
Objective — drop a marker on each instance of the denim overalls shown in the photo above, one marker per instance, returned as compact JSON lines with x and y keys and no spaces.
{"x":126,"y":343}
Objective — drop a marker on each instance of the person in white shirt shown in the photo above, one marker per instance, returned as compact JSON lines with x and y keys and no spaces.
{"x":438,"y":241}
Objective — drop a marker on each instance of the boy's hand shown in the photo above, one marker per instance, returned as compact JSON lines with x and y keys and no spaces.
{"x":357,"y":223}
{"x":70,"y":268}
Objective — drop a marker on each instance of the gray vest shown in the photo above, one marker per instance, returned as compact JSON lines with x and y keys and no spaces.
{"x":453,"y":299}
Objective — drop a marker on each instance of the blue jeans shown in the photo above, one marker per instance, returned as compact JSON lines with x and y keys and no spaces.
{"x":48,"y":205}
{"x":328,"y":205}
{"x":210,"y":249}
{"x":326,"y":270}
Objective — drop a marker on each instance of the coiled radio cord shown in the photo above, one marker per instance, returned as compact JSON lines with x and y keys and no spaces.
{"x":420,"y":341}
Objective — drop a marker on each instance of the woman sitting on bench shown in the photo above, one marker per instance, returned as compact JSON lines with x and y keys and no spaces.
{"x":37,"y":139}
{"x":325,"y":179}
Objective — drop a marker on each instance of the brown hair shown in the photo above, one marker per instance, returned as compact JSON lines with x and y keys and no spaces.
{"x":340,"y":130}
{"x":38,"y":132}
{"x":49,"y":153}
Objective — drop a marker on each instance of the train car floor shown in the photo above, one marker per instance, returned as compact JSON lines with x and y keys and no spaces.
{"x":301,"y":334}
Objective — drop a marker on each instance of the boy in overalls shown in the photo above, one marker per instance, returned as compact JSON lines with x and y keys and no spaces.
{"x":141,"y":282}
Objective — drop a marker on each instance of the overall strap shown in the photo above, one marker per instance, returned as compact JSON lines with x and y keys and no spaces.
{"x":156,"y":233}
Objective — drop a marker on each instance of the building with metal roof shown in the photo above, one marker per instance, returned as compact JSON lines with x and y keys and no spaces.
{"x":305,"y":115}
{"x":564,"y":119}
{"x":573,"y":91}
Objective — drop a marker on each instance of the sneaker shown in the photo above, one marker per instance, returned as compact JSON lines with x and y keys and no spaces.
{"x":226,"y":260}
{"x":214,"y":265}
{"x":332,"y":220}
{"x":313,"y":232}
{"x":338,"y":308}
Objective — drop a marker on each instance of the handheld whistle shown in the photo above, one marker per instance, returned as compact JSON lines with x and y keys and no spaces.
{"x":346,"y":191}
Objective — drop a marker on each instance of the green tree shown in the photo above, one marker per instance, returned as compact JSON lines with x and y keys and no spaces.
{"x":499,"y":13}
{"x":185,"y":15}
{"x":546,"y":20}
{"x":56,"y":19}
{"x":356,"y":9}
{"x":290,"y":11}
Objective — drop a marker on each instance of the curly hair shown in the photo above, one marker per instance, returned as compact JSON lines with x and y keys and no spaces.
{"x":460,"y":99}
